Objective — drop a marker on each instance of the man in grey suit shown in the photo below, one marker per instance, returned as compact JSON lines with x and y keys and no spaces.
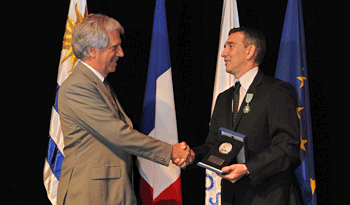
{"x":99,"y":137}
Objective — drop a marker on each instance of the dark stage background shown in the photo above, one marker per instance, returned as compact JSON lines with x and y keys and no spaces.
{"x":193,"y":28}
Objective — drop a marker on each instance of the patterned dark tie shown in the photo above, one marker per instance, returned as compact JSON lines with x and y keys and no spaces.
{"x":107,"y":85}
{"x":109,"y":88}
{"x":111,"y":91}
{"x":235,"y":101}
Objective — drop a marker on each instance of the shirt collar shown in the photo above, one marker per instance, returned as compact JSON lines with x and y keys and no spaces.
{"x":247,"y":79}
{"x":98,"y":74}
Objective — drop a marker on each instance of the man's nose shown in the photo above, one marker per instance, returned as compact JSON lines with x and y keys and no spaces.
{"x":120,"y":52}
{"x":224,"y":53}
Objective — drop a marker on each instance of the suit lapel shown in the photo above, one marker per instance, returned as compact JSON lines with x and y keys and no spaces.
{"x":123,"y":116}
{"x":252,"y":89}
{"x":86,"y":71}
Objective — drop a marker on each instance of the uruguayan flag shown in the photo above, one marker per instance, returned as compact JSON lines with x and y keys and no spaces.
{"x":53,"y":161}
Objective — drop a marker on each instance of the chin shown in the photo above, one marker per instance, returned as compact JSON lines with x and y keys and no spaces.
{"x":228,"y":70}
{"x":231,"y":70}
{"x":112,"y":69}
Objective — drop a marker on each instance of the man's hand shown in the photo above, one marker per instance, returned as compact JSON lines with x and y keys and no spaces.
{"x":237,"y":171}
{"x":182,"y":155}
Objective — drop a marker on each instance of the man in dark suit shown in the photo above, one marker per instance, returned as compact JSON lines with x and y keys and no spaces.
{"x":267,"y":117}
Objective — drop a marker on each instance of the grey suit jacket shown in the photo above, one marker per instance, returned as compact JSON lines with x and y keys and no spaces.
{"x":99,"y":140}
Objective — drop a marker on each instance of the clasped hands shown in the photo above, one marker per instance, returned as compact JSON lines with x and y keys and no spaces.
{"x":182,"y":155}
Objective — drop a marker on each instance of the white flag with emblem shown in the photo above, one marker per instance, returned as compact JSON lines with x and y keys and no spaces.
{"x":222,"y":82}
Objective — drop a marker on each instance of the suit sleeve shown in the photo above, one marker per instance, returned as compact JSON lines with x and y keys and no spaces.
{"x":283,"y":125}
{"x":87,"y":108}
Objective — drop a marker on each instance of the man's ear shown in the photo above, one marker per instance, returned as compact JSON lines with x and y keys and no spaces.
{"x":250,"y":52}
{"x":91,"y":51}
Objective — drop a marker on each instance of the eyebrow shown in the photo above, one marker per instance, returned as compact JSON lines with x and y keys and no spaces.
{"x":116,"y":45}
{"x":230,"y":43}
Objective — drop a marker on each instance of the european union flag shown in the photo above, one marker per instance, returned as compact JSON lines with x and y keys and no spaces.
{"x":291,"y":67}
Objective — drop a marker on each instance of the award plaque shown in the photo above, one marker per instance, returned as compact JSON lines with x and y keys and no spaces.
{"x":229,"y":149}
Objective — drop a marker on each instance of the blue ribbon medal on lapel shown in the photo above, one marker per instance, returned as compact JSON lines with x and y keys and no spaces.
{"x":248,"y":99}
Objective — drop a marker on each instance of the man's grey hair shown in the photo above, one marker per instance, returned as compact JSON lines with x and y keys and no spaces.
{"x":92,"y":32}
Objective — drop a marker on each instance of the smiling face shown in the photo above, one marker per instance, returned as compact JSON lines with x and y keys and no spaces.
{"x":106,"y":58}
{"x":237,"y":57}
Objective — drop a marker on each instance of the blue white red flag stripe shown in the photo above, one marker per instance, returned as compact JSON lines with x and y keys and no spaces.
{"x":159,"y":184}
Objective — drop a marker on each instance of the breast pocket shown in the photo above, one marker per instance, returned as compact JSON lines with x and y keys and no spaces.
{"x":105,"y":172}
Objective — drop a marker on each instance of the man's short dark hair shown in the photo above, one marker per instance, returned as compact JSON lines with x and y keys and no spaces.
{"x":253,"y":37}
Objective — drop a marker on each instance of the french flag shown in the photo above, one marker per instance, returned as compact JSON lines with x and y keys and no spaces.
{"x":159,"y":184}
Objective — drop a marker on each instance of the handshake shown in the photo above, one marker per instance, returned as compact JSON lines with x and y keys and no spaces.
{"x":182,"y":155}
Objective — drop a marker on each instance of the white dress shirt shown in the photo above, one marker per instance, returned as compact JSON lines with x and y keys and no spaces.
{"x":98,"y":74}
{"x":246,"y":80}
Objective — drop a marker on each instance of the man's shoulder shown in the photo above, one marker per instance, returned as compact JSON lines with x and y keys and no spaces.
{"x":272,"y":82}
{"x":80,"y":75}
{"x":278,"y":87}
{"x":77,"y":82}
{"x":267,"y":82}
{"x":227,"y":91}
{"x":77,"y":77}
{"x":73,"y":78}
